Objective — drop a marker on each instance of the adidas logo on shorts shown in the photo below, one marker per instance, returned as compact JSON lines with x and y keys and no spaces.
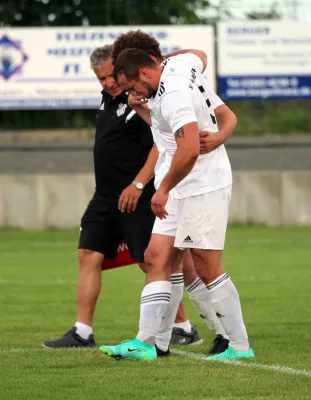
{"x":188,"y":240}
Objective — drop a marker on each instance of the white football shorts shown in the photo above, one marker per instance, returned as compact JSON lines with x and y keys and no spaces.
{"x":197,"y":222}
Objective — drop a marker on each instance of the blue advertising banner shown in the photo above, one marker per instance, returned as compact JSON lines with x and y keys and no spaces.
{"x":265,"y":87}
{"x":264,"y":60}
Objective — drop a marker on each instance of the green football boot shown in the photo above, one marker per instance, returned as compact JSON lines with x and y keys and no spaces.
{"x":231,"y":354}
{"x":130,"y":349}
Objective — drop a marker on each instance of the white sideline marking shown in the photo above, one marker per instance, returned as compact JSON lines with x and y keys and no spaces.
{"x":197,"y":356}
{"x":277,"y":368}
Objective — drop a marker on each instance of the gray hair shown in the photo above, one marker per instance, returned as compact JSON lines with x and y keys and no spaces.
{"x":100,"y":56}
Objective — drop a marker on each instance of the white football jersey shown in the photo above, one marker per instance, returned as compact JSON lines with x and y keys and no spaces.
{"x":182,"y":98}
{"x":162,"y":165}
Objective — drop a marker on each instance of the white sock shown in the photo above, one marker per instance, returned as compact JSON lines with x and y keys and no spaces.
{"x":227,"y":305}
{"x":153,"y":304}
{"x":202,"y":301}
{"x":165,"y":332}
{"x":186,"y":326}
{"x":83,"y":330}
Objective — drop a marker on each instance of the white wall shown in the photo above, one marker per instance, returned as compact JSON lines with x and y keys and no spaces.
{"x":58,"y":201}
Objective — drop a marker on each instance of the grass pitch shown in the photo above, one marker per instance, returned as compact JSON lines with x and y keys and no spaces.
{"x":38,"y":273}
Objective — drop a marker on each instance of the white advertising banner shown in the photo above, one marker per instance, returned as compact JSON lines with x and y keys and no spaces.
{"x":45,"y":68}
{"x":264,"y":59}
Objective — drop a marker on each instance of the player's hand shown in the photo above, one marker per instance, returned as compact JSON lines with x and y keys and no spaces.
{"x":158,"y":203}
{"x":209,"y":141}
{"x":129,"y":198}
{"x":136,"y":101}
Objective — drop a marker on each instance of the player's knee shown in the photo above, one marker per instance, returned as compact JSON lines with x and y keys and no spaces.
{"x":207,"y":264}
{"x":89,"y":259}
{"x":152,"y":259}
{"x":149,"y":257}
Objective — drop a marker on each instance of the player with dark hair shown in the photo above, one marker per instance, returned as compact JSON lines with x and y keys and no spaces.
{"x":191,"y":202}
{"x":198,"y":293}
{"x":137,"y":40}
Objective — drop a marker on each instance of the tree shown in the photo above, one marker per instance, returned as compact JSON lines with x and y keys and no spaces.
{"x":100,"y":12}
{"x":273,"y":13}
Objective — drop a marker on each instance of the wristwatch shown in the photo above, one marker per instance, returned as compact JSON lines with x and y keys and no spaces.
{"x":138,"y":185}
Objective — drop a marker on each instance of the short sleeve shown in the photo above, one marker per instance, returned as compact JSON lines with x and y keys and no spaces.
{"x":193,"y":60}
{"x":211,"y":95}
{"x":177,"y":109}
{"x":215,"y":100}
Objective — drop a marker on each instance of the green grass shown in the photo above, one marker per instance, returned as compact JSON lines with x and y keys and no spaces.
{"x":38,"y":272}
{"x":277,"y":117}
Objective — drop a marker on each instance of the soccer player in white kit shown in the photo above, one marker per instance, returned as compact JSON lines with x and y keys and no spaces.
{"x":191,"y":202}
{"x":198,"y":293}
{"x":182,"y":333}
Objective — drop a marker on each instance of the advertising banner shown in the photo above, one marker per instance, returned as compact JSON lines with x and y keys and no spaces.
{"x":46,"y":68}
{"x":264,"y":60}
